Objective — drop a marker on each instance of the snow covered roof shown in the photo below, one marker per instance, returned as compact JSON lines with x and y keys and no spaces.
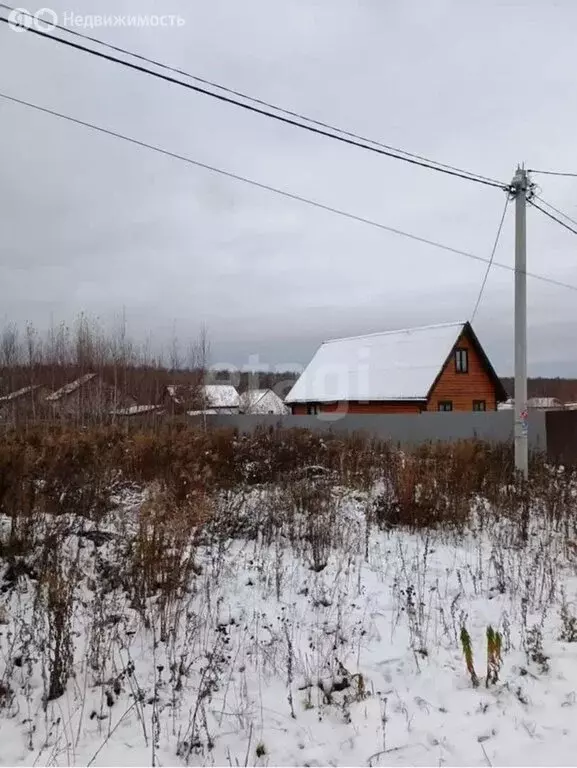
{"x":262,"y":401}
{"x":221,"y":396}
{"x":134,"y":410}
{"x":18,"y":393}
{"x":67,"y":389}
{"x":394,"y":365}
{"x":544,"y":402}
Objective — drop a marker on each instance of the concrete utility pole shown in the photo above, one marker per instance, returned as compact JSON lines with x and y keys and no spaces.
{"x":519,"y":190}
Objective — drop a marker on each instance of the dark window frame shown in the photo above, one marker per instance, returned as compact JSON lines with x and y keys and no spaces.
{"x":442,"y":406}
{"x":477,"y":406}
{"x":461,"y":360}
{"x":313,"y":409}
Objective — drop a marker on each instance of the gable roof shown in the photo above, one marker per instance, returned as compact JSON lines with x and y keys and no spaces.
{"x":252,"y":401}
{"x":221,"y":396}
{"x":68,"y":389}
{"x":19,"y":393}
{"x":251,"y":397}
{"x":393,"y":365}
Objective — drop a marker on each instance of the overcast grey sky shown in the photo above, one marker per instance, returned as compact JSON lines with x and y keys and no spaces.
{"x":92,"y":224}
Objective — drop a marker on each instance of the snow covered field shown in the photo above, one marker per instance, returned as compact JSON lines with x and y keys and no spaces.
{"x":340,"y":645}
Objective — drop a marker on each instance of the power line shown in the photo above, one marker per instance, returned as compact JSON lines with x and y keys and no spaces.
{"x":561,"y":213}
{"x":550,"y":215}
{"x":553,"y":173}
{"x":261,"y":102}
{"x":490,"y":264}
{"x":265,"y":113}
{"x":283,"y":193}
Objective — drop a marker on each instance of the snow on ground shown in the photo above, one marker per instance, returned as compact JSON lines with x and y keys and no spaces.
{"x":263,"y":661}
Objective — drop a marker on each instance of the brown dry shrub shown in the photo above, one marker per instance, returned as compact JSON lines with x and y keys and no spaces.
{"x":437,"y":484}
{"x":63,"y":470}
{"x":160,"y":557}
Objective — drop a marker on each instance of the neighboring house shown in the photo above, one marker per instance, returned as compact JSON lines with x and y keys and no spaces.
{"x":25,"y":404}
{"x":262,"y":401}
{"x":435,"y":368}
{"x":545,"y":403}
{"x":87,"y":396}
{"x":204,"y":399}
{"x":539,"y":403}
{"x":220,"y":398}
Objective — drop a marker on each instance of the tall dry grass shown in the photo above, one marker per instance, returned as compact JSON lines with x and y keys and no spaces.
{"x":112,"y":524}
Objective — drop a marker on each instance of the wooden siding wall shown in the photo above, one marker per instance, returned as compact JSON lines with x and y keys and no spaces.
{"x":462,"y":388}
{"x":300,"y":409}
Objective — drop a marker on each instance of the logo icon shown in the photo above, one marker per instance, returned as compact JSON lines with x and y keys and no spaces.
{"x":43,"y":20}
{"x":20,"y":19}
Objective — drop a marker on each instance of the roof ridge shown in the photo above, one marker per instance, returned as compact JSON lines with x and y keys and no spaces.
{"x":262,"y":392}
{"x":461,"y":323}
{"x":71,"y":386}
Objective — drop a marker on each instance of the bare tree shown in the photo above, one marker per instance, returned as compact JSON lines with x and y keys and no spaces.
{"x":9,"y":354}
{"x":10,"y":346}
{"x":122,"y":357}
{"x":174,"y":350}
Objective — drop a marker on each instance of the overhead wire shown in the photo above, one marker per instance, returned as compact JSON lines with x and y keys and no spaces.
{"x":490,"y":264}
{"x":557,"y":210}
{"x":551,"y":216}
{"x":253,"y":99}
{"x":553,"y":173}
{"x":430,"y":165}
{"x":281,"y":192}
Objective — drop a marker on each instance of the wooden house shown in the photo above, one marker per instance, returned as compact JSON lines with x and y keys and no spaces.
{"x":435,"y":368}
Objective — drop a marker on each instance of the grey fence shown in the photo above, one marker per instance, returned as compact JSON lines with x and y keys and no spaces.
{"x":402,"y":429}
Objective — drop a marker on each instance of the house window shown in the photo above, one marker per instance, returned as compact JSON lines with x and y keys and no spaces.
{"x":479,"y":405}
{"x":446,"y":405}
{"x":461,"y":361}
{"x":313,"y":410}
